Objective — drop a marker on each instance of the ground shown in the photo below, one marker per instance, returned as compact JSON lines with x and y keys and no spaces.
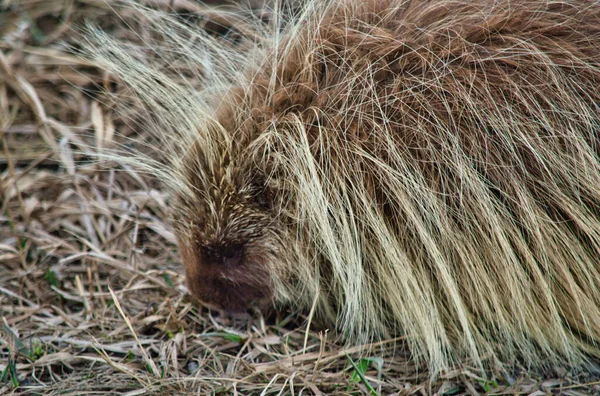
{"x":91,"y":284}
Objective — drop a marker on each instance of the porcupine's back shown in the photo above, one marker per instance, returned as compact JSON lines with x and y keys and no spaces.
{"x":445,"y":158}
{"x":435,"y":162}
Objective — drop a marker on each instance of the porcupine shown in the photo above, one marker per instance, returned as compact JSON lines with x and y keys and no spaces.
{"x":425,"y":168}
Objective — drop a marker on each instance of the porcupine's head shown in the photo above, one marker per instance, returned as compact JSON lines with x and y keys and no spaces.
{"x":207,"y":155}
{"x":226,"y":227}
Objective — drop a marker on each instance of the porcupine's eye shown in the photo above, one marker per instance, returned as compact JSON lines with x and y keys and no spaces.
{"x":262,"y":200}
{"x":261,"y":195}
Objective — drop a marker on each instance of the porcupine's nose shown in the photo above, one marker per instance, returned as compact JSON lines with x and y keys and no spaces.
{"x":223,"y":255}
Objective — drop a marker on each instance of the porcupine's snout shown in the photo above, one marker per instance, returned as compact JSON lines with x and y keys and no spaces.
{"x":226,"y":276}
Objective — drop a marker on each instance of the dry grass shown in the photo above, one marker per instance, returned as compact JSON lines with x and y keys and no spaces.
{"x":91,"y":294}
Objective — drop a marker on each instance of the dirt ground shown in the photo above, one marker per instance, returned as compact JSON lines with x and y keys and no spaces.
{"x":91,"y":284}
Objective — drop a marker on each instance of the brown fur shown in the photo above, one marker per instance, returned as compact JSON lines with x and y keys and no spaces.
{"x":423,"y":167}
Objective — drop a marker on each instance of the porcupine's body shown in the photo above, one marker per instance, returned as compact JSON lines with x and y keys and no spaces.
{"x":428,"y":168}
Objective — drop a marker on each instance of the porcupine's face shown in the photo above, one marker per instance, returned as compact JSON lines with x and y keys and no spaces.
{"x":226,"y":235}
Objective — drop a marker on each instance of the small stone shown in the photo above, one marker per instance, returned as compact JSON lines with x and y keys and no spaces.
{"x":193,"y":367}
